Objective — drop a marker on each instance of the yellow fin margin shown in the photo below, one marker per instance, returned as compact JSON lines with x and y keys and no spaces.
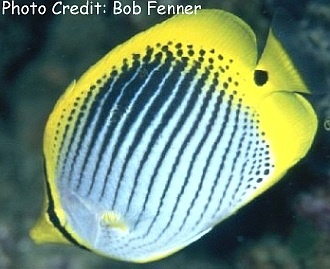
{"x":236,"y":40}
{"x":290,"y":124}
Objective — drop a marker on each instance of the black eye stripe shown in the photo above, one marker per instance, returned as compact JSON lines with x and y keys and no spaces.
{"x":55,"y":220}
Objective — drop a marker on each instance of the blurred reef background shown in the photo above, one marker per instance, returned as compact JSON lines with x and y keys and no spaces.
{"x":288,"y":227}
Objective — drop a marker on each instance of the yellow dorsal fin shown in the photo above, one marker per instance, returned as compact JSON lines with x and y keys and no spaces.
{"x":236,"y":40}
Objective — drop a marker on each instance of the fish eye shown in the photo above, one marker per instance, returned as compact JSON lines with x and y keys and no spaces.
{"x":260,"y":77}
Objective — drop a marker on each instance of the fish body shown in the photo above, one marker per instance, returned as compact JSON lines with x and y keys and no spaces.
{"x":169,"y":134}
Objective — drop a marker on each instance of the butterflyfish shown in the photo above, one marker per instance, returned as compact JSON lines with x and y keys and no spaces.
{"x":169,"y":134}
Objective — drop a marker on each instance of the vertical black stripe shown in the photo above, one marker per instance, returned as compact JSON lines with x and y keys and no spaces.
{"x":160,"y":100}
{"x":233,"y":166}
{"x":209,"y":128}
{"x":110,"y":94}
{"x":232,"y":135}
{"x":52,"y":216}
{"x":151,"y":89}
{"x":145,"y":94}
{"x":191,"y":104}
{"x":74,"y":136}
{"x":103,"y":103}
{"x":121,"y":95}
{"x":214,"y":147}
{"x":185,"y":84}
{"x":245,"y":157}
{"x":84,"y":126}
{"x":65,"y":154}
{"x":198,"y":119}
{"x":170,"y":111}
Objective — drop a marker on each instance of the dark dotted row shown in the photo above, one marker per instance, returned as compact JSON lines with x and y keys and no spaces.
{"x":262,"y":166}
{"x":200,"y":56}
{"x":147,"y":57}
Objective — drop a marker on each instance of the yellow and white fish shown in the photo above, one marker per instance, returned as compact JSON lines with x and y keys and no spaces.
{"x":169,"y":134}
